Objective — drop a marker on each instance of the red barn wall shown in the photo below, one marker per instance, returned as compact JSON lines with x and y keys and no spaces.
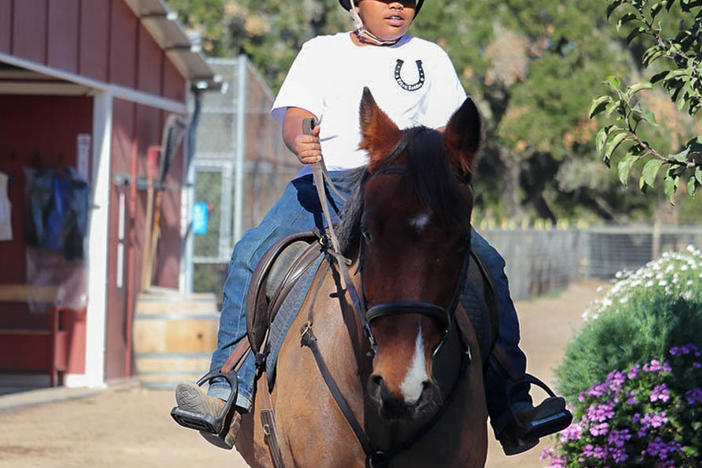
{"x":100,"y":39}
{"x":40,"y":132}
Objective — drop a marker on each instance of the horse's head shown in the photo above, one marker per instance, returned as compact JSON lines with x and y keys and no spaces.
{"x":415,"y":234}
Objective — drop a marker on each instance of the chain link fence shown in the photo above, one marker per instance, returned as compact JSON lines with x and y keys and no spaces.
{"x":543,"y":261}
{"x":236,"y":133}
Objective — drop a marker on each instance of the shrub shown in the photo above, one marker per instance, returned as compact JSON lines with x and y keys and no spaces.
{"x":649,"y":415}
{"x":645,"y":313}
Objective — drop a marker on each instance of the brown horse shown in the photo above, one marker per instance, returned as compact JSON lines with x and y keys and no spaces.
{"x":412,"y":382}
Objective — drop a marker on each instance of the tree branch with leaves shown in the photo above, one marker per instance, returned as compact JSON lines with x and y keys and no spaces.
{"x":676,"y":59}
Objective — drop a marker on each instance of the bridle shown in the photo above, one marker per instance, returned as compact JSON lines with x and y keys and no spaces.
{"x":444,"y":315}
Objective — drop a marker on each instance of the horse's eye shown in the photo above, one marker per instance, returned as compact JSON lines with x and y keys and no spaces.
{"x":365,"y":232}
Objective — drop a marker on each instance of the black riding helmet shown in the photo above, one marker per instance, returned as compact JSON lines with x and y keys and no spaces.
{"x":347,"y":5}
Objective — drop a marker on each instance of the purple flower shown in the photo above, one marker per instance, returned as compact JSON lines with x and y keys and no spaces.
{"x":619,"y":455}
{"x":617,"y":438}
{"x":666,"y":367}
{"x":631,"y":398}
{"x":597,"y":390}
{"x":653,"y":366}
{"x":572,"y":432}
{"x":633,"y":372}
{"x":660,"y":392}
{"x":696,"y":365}
{"x":615,"y":379}
{"x":652,"y":420}
{"x":594,"y":451}
{"x":600,"y":412}
{"x":694,"y":396}
{"x":658,"y":449}
{"x":599,"y":429}
{"x":684,"y":350}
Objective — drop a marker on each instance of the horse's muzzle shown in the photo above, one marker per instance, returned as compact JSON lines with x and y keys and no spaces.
{"x":392,"y":406}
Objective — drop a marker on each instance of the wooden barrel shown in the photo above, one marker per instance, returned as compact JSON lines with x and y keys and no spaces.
{"x":174,"y":335}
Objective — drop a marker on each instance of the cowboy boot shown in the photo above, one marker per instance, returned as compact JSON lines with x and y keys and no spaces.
{"x":192,"y":399}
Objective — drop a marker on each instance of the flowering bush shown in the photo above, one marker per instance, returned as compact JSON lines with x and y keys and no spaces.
{"x":642,"y":315}
{"x":649,"y":415}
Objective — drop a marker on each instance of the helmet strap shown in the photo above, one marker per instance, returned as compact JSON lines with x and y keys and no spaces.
{"x":364,"y":34}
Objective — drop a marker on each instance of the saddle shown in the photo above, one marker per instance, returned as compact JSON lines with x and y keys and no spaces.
{"x":276,"y":274}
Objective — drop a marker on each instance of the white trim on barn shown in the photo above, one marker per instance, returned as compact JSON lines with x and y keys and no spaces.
{"x":98,"y":234}
{"x":116,"y":91}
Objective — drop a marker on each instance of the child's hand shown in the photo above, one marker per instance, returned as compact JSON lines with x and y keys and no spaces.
{"x":307,"y":147}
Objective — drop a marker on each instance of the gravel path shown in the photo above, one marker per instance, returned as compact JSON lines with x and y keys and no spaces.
{"x":131,"y":427}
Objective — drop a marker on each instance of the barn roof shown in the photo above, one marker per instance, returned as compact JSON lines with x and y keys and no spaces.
{"x":183,"y":50}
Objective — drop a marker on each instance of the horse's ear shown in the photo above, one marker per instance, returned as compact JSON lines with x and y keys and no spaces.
{"x":463,"y":137}
{"x":379,"y":133}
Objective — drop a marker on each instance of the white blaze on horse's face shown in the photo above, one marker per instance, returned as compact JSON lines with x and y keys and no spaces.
{"x":414,"y":382}
{"x":419,"y":222}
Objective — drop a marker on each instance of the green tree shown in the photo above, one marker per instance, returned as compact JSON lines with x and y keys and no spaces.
{"x":531,"y":65}
{"x":672,"y":40}
{"x":270,"y":32}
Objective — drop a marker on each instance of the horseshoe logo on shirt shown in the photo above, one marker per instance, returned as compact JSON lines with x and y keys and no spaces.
{"x":406,"y":86}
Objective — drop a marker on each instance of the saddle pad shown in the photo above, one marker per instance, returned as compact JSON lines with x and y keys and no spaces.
{"x":286,"y":315}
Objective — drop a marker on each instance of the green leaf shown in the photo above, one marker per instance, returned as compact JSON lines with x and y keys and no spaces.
{"x":634,"y":34}
{"x":691,"y":187}
{"x":613,"y":106}
{"x":613,"y":6}
{"x":659,"y":76}
{"x":650,"y":117}
{"x":636,"y":87}
{"x":600,"y":139}
{"x":613,"y":144}
{"x":681,"y":156}
{"x":670,"y":186}
{"x":649,"y":171}
{"x":625,"y":19}
{"x":698,"y":174}
{"x":624,"y":166}
{"x":598,"y":105}
{"x":613,"y":82}
{"x":656,"y":8}
{"x":652,"y":54}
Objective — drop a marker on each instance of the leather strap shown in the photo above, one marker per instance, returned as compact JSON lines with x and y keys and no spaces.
{"x":270,"y":435}
{"x":308,"y":339}
{"x":236,"y":357}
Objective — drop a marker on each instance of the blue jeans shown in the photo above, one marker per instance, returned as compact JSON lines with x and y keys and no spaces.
{"x":299,"y":210}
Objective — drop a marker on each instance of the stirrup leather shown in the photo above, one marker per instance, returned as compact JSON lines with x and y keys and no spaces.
{"x":217,"y":425}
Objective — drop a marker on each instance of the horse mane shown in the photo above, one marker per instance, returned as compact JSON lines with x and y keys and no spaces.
{"x":428,"y":174}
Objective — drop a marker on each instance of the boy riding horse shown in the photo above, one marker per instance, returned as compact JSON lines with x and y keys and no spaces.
{"x":415,"y":83}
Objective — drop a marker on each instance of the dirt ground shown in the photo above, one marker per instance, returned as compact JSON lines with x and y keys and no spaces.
{"x":131,"y":427}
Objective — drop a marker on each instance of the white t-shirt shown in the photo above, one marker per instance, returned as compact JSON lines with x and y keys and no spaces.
{"x":413,"y":82}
